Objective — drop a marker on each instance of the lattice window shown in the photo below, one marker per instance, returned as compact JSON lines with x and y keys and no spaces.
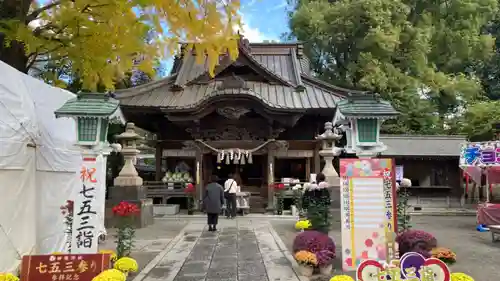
{"x":87,"y":129}
{"x":104,"y":130}
{"x":367,"y":130}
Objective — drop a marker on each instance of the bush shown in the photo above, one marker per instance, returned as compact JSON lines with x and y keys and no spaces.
{"x":318,"y":209}
{"x":416,"y":241}
{"x":315,"y":242}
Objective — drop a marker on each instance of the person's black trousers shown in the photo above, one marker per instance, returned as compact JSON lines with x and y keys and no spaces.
{"x":231,"y":205}
{"x":212,"y":219}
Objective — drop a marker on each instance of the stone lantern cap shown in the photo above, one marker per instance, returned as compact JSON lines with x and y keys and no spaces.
{"x":129,"y":133}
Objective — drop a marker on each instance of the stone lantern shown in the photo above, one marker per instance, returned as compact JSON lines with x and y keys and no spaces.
{"x":128,"y":185}
{"x":361,"y":116}
{"x":329,"y":151}
{"x":128,"y":176}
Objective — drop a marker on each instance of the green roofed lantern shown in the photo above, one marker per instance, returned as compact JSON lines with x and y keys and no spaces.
{"x":93,"y":114}
{"x":363,"y":114}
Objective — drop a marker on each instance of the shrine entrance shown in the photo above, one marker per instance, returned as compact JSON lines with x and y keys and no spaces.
{"x":250,"y":176}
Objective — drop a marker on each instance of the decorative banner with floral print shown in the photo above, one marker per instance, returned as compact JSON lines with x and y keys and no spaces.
{"x":368,"y":211}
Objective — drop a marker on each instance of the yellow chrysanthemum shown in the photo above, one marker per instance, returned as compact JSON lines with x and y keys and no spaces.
{"x":459,"y":276}
{"x":57,"y":253}
{"x":342,"y":278}
{"x":110,"y":275}
{"x":302,"y":224}
{"x":126,"y":265}
{"x":111,"y":253}
{"x":8,"y":277}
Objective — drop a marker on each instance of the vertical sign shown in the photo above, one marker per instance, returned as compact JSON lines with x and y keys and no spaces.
{"x":368,"y":211}
{"x":85,"y":216}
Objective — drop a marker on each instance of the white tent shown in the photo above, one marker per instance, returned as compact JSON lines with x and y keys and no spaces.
{"x":39,"y":166}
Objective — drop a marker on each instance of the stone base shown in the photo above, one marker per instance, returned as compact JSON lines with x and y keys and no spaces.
{"x":144,"y":218}
{"x":126,"y":193}
{"x":161,"y":210}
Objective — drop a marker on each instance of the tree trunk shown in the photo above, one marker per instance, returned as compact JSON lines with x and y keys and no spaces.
{"x":14,"y":55}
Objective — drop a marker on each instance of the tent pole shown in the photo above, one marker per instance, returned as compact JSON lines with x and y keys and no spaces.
{"x":487,"y":186}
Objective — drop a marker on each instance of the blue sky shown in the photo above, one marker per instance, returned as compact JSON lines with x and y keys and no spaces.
{"x":262,"y":20}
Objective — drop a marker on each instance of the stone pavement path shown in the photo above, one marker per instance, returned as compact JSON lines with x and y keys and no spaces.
{"x":242,"y":250}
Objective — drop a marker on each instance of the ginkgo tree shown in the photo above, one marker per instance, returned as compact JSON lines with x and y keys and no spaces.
{"x":103,"y":39}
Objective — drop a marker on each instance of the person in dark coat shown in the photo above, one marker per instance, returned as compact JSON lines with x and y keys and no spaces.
{"x":213,"y":201}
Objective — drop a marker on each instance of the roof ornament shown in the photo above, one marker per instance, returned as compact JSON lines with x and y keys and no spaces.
{"x":244,"y":43}
{"x":233,"y":82}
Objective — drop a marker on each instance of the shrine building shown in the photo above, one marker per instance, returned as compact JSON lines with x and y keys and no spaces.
{"x":259,"y":118}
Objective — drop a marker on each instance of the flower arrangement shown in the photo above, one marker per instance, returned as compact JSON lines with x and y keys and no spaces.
{"x":445,"y":255}
{"x":325,"y":257}
{"x":126,"y":213}
{"x":317,"y":203}
{"x":67,"y":212}
{"x":459,"y":276}
{"x":302,"y":224}
{"x":190,"y":190}
{"x":279,"y":188}
{"x":126,"y":265}
{"x":111,"y":275}
{"x":341,"y":278}
{"x":111,"y":253}
{"x":120,"y":270}
{"x":416,"y":241}
{"x":8,"y":277}
{"x":313,"y":241}
{"x":306,"y":258}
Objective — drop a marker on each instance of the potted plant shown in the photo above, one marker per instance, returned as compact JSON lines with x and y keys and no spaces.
{"x":445,"y":255}
{"x":126,"y":213}
{"x":307,"y":261}
{"x":190,"y":191}
{"x":279,"y":188}
{"x":325,"y":260}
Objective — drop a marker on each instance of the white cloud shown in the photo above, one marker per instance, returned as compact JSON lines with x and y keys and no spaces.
{"x":254,"y":35}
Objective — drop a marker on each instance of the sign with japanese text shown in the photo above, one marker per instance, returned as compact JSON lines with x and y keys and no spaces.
{"x":71,"y":267}
{"x":411,"y":266}
{"x":86,"y":219}
{"x":368,"y":211}
{"x":480,"y":154}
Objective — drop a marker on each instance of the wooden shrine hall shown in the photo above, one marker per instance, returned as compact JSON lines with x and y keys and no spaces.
{"x":257,"y":118}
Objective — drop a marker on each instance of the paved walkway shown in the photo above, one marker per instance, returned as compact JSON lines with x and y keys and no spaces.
{"x":242,"y":250}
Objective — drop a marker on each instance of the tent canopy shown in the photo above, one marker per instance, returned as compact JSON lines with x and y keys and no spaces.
{"x":39,"y":166}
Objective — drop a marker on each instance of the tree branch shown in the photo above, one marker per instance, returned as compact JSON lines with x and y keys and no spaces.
{"x":34,"y":15}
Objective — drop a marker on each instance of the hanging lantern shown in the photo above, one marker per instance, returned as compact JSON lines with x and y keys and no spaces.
{"x":250,"y":160}
{"x":242,"y":160}
{"x":227,"y":160}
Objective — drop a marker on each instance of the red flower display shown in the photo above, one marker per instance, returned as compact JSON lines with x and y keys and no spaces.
{"x":190,"y":188}
{"x":125,"y":209}
{"x":279,"y":186}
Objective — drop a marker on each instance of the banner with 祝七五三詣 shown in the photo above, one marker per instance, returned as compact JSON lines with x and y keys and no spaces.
{"x":368,"y":211}
{"x":88,"y":213}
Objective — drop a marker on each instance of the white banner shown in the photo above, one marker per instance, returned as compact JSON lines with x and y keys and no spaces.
{"x":399,"y":173}
{"x":88,"y":214}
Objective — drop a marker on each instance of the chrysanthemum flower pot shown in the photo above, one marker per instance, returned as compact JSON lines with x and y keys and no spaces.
{"x":326,"y":270}
{"x":305,"y":270}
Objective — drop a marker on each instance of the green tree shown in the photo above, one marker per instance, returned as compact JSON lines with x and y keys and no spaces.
{"x":414,"y":53}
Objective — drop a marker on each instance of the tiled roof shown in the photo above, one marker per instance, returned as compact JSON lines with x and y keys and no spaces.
{"x":274,"y":96}
{"x":421,"y":145}
{"x":365,"y":105}
{"x":290,"y":85}
{"x":88,"y":105}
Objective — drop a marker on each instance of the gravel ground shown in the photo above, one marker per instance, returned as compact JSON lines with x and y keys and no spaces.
{"x":476,"y":254}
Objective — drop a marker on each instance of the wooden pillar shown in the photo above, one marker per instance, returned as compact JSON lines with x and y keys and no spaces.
{"x":308,"y":168}
{"x":158,"y":161}
{"x":317,"y":160}
{"x":270,"y":178}
{"x":198,"y":169}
